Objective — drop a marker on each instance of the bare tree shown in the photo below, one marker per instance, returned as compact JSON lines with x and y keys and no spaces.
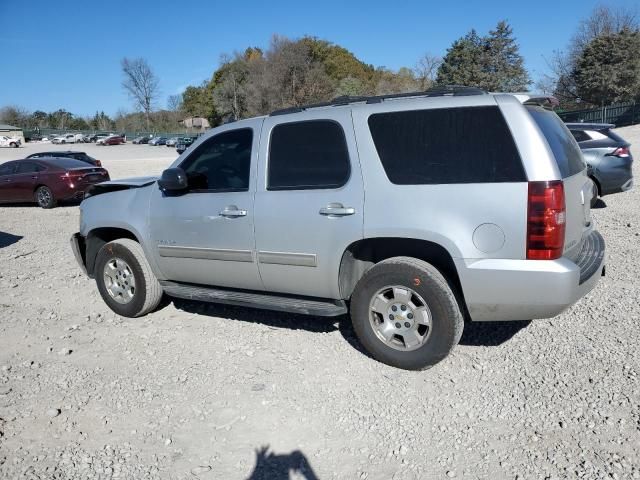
{"x":426,"y":70}
{"x":603,"y":20}
{"x":230,"y":92}
{"x":141,"y":84}
{"x":174,"y":103}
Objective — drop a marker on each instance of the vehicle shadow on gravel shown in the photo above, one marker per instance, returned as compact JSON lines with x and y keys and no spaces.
{"x":270,"y":466}
{"x":8,"y":239}
{"x":488,"y":334}
{"x":599,"y":204}
{"x":269,"y":318}
{"x":63,"y":204}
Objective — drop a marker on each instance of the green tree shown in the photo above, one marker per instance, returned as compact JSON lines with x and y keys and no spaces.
{"x":503,"y":65}
{"x":608,"y":70}
{"x":492,"y":62}
{"x":463,"y":62}
{"x":78,"y":123}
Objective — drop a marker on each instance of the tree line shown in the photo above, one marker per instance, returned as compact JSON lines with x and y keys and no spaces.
{"x":294,"y":72}
{"x":600,"y":66}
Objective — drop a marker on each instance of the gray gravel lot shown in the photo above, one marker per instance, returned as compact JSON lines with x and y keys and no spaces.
{"x":212,"y":392}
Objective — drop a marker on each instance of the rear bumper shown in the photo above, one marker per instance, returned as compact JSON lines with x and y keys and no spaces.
{"x":505,"y":289}
{"x":79,"y":251}
{"x":615,"y":175}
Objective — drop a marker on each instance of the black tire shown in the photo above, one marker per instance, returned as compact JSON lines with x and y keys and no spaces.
{"x":147,"y":293}
{"x":13,"y":145}
{"x":44,"y":197}
{"x":447,"y":321}
{"x":63,"y":142}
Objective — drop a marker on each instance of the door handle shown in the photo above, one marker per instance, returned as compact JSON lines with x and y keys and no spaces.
{"x":35,"y":177}
{"x":233,"y":212}
{"x":337,"y":210}
{"x":8,"y":180}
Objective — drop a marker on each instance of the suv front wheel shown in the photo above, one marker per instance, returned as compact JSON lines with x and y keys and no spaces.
{"x":125,"y":280}
{"x":405,"y":314}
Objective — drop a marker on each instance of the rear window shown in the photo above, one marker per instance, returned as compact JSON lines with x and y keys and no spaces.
{"x":580,"y":135}
{"x":66,"y":163}
{"x":440,"y":146}
{"x":562,"y":144}
{"x":82,"y":156}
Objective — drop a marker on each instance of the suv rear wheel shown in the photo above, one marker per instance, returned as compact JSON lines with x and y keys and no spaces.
{"x":405,"y":314}
{"x":125,"y":280}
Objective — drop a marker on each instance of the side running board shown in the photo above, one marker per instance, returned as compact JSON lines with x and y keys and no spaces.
{"x":243,"y":298}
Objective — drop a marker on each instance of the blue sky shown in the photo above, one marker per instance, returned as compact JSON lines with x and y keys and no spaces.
{"x":66,"y":54}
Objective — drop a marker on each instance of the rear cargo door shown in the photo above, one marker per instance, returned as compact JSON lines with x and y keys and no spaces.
{"x":577,"y":186}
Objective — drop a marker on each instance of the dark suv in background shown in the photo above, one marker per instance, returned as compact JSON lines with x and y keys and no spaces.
{"x":608,"y":157}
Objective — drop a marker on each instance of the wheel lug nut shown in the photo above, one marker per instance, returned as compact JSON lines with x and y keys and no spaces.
{"x":398,"y":325}
{"x":394,"y":308}
{"x":410,"y":316}
{"x":403,"y":308}
{"x":390,"y":317}
{"x":407,"y":324}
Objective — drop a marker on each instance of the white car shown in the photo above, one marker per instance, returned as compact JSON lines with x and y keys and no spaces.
{"x":68,"y":138}
{"x":5,"y":141}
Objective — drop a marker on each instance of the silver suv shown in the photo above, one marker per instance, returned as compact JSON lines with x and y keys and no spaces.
{"x":412,"y":212}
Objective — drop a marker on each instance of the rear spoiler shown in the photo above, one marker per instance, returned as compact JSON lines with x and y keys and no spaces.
{"x":541,"y":100}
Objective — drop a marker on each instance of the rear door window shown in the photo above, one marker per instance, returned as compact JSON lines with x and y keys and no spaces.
{"x":443,"y":146}
{"x":308,"y":155}
{"x":27,"y":167}
{"x":563,"y":145}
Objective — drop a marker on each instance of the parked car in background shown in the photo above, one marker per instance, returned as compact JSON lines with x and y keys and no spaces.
{"x":47,"y":181}
{"x":82,"y":156}
{"x":608,"y":157}
{"x":141,"y":140}
{"x":13,"y":142}
{"x":97,"y":136}
{"x":413,"y":213}
{"x":111,"y":140}
{"x":68,"y":138}
{"x":171,"y":142}
{"x":184,"y":143}
{"x":33,"y":137}
{"x":155,"y":141}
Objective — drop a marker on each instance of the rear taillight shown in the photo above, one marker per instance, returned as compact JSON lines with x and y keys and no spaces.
{"x":98,"y":163}
{"x":546,"y":219}
{"x":622,"y":152}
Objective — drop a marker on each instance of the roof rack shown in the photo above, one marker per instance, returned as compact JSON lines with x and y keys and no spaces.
{"x":447,"y":90}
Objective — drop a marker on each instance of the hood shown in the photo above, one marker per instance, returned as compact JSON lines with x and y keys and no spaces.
{"x":121,"y":184}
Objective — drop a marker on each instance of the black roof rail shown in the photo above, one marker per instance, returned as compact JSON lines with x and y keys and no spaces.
{"x":446,"y":90}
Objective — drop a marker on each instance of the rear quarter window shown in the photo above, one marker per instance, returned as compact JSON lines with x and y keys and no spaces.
{"x":564,"y":147}
{"x":443,"y":146}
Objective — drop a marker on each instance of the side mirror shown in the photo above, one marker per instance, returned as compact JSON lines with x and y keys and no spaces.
{"x":173,"y":180}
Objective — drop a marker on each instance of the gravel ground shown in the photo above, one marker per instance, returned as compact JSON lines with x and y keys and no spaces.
{"x":212,"y":392}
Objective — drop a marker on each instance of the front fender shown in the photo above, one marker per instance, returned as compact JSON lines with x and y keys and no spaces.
{"x":102,"y":216}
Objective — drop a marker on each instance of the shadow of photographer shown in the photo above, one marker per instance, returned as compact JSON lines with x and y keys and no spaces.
{"x":271,"y":466}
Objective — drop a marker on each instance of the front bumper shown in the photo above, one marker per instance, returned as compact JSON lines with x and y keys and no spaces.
{"x":506,"y":289}
{"x":79,"y":251}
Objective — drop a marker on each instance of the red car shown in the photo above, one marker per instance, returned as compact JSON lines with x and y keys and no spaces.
{"x":112,"y":140}
{"x":47,"y":180}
